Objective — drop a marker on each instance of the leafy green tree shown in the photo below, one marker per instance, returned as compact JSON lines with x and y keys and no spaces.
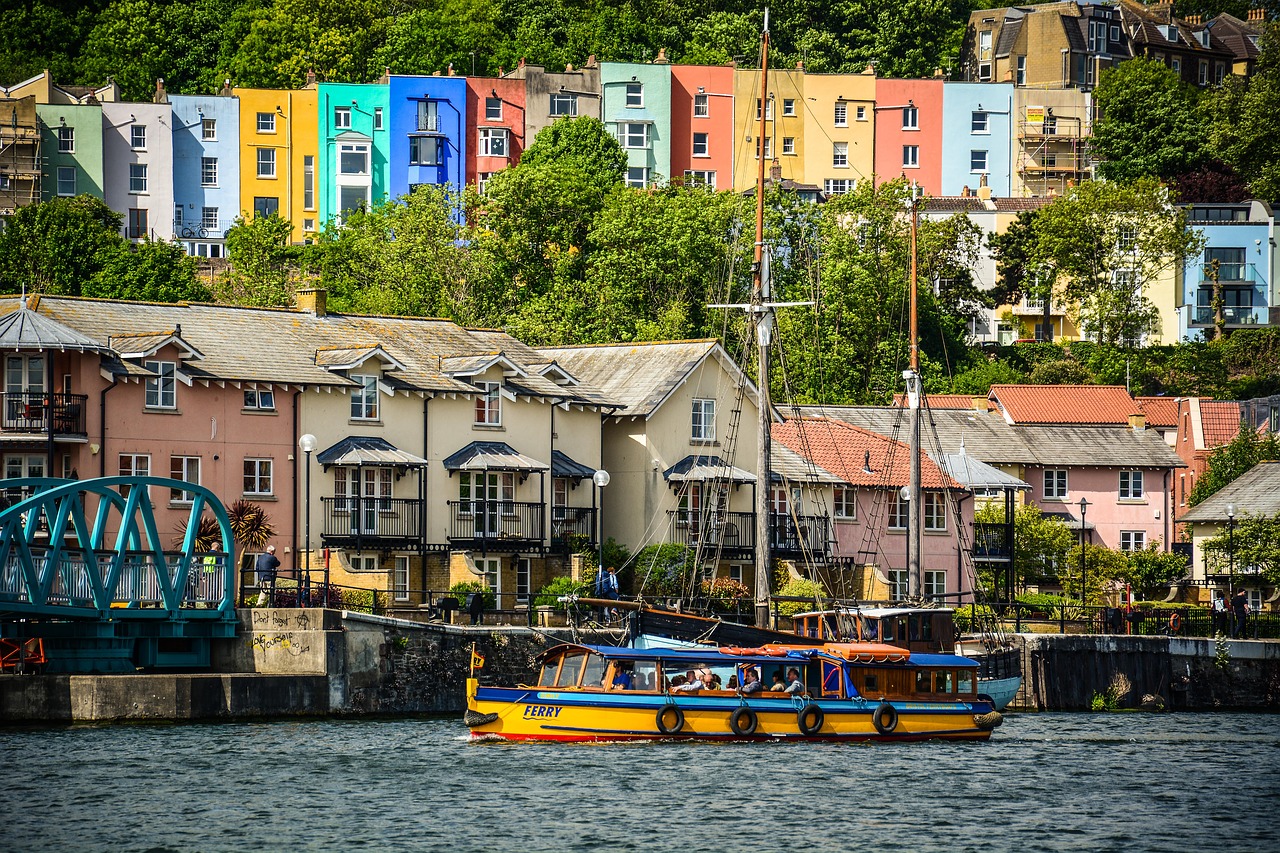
{"x":979,"y":378}
{"x":1253,"y":547}
{"x":1041,"y":543}
{"x":273,"y":45}
{"x":1240,"y":116}
{"x":57,"y":246}
{"x":1148,"y":124}
{"x":1151,"y":571}
{"x":129,"y":43}
{"x":1232,"y":459}
{"x":1105,"y":567}
{"x":663,"y":570}
{"x":150,"y":271}
{"x":40,"y":34}
{"x":581,"y":143}
{"x":720,"y":37}
{"x":1110,"y":240}
{"x":263,"y":266}
{"x":433,"y":37}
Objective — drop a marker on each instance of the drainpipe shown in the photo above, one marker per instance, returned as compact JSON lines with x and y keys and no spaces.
{"x":293,"y":454}
{"x":102,"y":427}
{"x":422,"y":499}
{"x":1168,"y":511}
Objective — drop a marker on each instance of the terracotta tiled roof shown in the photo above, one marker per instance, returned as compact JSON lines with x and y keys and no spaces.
{"x":858,"y":456}
{"x":941,"y":401}
{"x":1220,"y":421}
{"x":1160,"y":411}
{"x":1017,"y":204}
{"x":1064,"y":404}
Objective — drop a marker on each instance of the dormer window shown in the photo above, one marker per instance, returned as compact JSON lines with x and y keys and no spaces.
{"x":161,"y":390}
{"x":489,"y":404}
{"x":364,"y":399}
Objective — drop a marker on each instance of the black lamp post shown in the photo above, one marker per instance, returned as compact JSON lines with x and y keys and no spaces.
{"x":601,"y":479}
{"x":1084,"y":505}
{"x":307,"y":444}
{"x":1231,"y":551}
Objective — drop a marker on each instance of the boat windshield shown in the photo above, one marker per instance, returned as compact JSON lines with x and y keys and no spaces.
{"x":594,"y":674}
{"x":570,"y":668}
{"x":964,"y":681}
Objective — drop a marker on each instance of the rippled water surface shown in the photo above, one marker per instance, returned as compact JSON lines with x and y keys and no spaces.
{"x":1206,"y":782}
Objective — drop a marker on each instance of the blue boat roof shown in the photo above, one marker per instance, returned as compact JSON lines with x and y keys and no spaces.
{"x":713,"y":653}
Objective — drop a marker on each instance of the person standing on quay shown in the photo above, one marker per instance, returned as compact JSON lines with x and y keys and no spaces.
{"x":266,"y":568}
{"x":1240,"y":608}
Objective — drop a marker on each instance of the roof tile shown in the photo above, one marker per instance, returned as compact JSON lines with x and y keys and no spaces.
{"x":858,"y":456}
{"x":1065,"y":404}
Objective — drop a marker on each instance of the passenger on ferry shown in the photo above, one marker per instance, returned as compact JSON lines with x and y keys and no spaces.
{"x":691,"y":685}
{"x":794,"y":685}
{"x":751,"y":681}
{"x":623,"y":679}
{"x":778,"y":683}
{"x":710,"y":680}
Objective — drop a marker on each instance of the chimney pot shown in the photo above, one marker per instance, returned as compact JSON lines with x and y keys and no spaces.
{"x":800,"y":65}
{"x":981,"y":403}
{"x":775,"y":171}
{"x":591,"y":61}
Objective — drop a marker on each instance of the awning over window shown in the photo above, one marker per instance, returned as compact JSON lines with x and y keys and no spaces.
{"x":563,"y":466}
{"x":706,"y":468}
{"x":368,"y":450}
{"x":492,"y":456}
{"x":1069,"y":520}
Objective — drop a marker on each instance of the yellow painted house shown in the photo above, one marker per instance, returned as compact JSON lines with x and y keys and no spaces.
{"x":839,"y":124}
{"x":279,"y":156}
{"x":784,"y":137}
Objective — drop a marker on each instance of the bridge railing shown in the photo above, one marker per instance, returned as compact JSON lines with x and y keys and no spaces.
{"x":137,"y":585}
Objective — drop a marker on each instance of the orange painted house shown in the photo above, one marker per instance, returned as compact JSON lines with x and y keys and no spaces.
{"x":495,"y":111}
{"x":702,"y":124}
{"x":909,"y":132}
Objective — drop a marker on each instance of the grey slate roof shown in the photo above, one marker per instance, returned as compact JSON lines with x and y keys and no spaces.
{"x":1256,"y":492}
{"x":562,"y":465}
{"x":638,"y":376}
{"x":989,"y":438}
{"x":492,"y":456}
{"x":786,"y":464}
{"x":974,"y":474}
{"x":289,"y":347}
{"x":706,"y":468}
{"x":25,"y":329}
{"x":1009,"y":32}
{"x":367,"y":450}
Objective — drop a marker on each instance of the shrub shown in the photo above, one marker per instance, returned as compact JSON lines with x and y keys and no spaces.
{"x":969,"y":615}
{"x":663,"y":569}
{"x":549,"y":595}
{"x":461,"y":589}
{"x":799,"y":588}
{"x":724,"y":592}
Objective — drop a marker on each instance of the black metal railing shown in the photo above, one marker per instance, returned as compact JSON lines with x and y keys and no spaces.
{"x":807,"y":535}
{"x":729,"y":531}
{"x":367,"y":521}
{"x":572,"y":526}
{"x":1139,"y":621}
{"x":30,"y":412}
{"x":492,"y":525}
{"x":991,"y":541}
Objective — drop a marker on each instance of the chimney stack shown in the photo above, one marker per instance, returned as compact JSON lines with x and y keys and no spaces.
{"x":313,"y":300}
{"x":775,"y":171}
{"x":1257,"y":16}
{"x":311,"y":78}
{"x":1138,"y":422}
{"x":591,"y":61}
{"x":662,"y":56}
{"x":226,"y":90}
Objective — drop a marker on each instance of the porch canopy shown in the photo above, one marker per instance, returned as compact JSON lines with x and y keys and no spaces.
{"x":563,"y":466}
{"x":368,"y":450}
{"x":492,"y":456}
{"x":706,"y":468}
{"x":25,"y":329}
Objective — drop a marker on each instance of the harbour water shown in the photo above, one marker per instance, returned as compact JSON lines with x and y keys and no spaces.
{"x":1087,"y":782}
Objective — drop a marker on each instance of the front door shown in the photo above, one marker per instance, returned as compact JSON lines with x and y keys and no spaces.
{"x":24,"y":392}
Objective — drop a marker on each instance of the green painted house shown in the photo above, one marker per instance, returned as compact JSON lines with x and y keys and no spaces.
{"x":71,"y":149}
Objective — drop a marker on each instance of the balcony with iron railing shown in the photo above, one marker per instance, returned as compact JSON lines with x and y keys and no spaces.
{"x":991,"y":542}
{"x":571,"y":527}
{"x":371,"y":522}
{"x":33,"y":412}
{"x":800,"y":536}
{"x":198,"y":229}
{"x":733,"y":533}
{"x":494,"y":525}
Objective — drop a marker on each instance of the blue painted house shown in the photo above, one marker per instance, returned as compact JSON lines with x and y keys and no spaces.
{"x":355,"y":146}
{"x":428,"y":132}
{"x":978,"y":137}
{"x":1239,"y":254}
{"x":206,"y":170}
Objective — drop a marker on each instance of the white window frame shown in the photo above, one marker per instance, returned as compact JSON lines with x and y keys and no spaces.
{"x":1133,"y":540}
{"x":702,"y":420}
{"x":187,"y":469}
{"x":788,"y":145}
{"x":979,"y":161}
{"x":266,"y":161}
{"x":934,"y":512}
{"x":1130,"y":488}
{"x":209,"y":218}
{"x":935,"y":584}
{"x":492,"y":109}
{"x":910,"y":118}
{"x":377,"y":118}
{"x":702,"y":106}
{"x":138,"y":137}
{"x":702,"y":145}
{"x":838,"y":186}
{"x":488,"y":408}
{"x":638,"y":177}
{"x":844,"y":503}
{"x":364,"y":398}
{"x":860,"y":113}
{"x":208,"y":130}
{"x":523,"y":580}
{"x":634,"y":95}
{"x":161,"y":390}
{"x":911,"y":156}
{"x":768,"y":110}
{"x":132,"y":465}
{"x":839,"y":155}
{"x":308,"y":182}
{"x":563,"y":104}
{"x":355,"y":148}
{"x":703,"y":176}
{"x":137,"y":178}
{"x":788,"y":106}
{"x":980,"y":122}
{"x":1055,"y":484}
{"x":1021,"y":74}
{"x":66,"y":180}
{"x":400,"y":578}
{"x":899,"y":511}
{"x":493,"y":142}
{"x":259,"y":476}
{"x":342,"y":118}
{"x":66,"y":140}
{"x":260,"y":400}
{"x":266,"y":122}
{"x":899,"y":585}
{"x":633,"y":135}
{"x":208,"y":171}
{"x":841,"y":114}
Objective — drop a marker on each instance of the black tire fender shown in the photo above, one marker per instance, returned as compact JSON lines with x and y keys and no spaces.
{"x":741,"y":728}
{"x":677,"y":716}
{"x":885,"y":718}
{"x":810,"y":719}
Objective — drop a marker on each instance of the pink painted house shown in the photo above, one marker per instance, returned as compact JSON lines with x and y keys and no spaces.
{"x":702,"y":124}
{"x":909,"y":132}
{"x":869,"y":516}
{"x":495,"y":126}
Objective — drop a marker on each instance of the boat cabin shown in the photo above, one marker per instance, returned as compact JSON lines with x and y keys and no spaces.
{"x":833,"y":671}
{"x":916,"y":629}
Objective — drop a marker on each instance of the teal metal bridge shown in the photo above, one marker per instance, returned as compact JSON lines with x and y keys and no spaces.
{"x":83,"y":567}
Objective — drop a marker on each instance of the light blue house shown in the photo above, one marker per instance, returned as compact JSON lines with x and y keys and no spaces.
{"x":977,"y":137}
{"x":206,"y":170}
{"x":1239,"y":255}
{"x":355,"y":146}
{"x":636,"y":107}
{"x":428,"y":132}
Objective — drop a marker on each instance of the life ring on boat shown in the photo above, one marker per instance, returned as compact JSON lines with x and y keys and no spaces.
{"x":810,"y":719}
{"x":1175,"y":623}
{"x":677,"y":719}
{"x":743,"y":721}
{"x":885,"y":719}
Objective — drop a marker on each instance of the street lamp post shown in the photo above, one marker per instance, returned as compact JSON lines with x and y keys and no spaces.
{"x":601,"y":479}
{"x":307,"y":443}
{"x":1084,"y":505}
{"x":1231,"y":550}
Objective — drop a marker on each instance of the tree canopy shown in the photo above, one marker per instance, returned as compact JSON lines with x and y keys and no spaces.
{"x":1147,"y":125}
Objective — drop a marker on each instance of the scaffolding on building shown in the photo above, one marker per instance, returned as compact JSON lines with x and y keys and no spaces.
{"x":19,"y":155}
{"x":1053,"y":150}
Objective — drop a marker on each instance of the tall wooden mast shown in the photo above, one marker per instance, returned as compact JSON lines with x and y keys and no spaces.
{"x":762,"y":313}
{"x":915,"y":531}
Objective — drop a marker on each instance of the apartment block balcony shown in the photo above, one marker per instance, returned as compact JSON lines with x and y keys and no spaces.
{"x":1228,"y":274}
{"x":198,"y":229}
{"x":29,"y":413}
{"x":1033,"y":308}
{"x":370,"y":522}
{"x":572,"y":526}
{"x":1234,"y":316}
{"x":991,"y":542}
{"x":733,"y":533}
{"x":496,"y":525}
{"x":800,"y":536}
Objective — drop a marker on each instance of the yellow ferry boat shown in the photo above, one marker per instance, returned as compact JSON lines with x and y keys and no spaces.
{"x":837,"y":691}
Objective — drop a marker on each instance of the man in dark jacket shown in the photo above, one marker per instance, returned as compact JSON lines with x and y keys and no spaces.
{"x":266,"y":567}
{"x":1240,"y":609}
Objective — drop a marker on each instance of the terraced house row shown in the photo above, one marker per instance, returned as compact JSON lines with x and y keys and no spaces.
{"x":1017,"y":121}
